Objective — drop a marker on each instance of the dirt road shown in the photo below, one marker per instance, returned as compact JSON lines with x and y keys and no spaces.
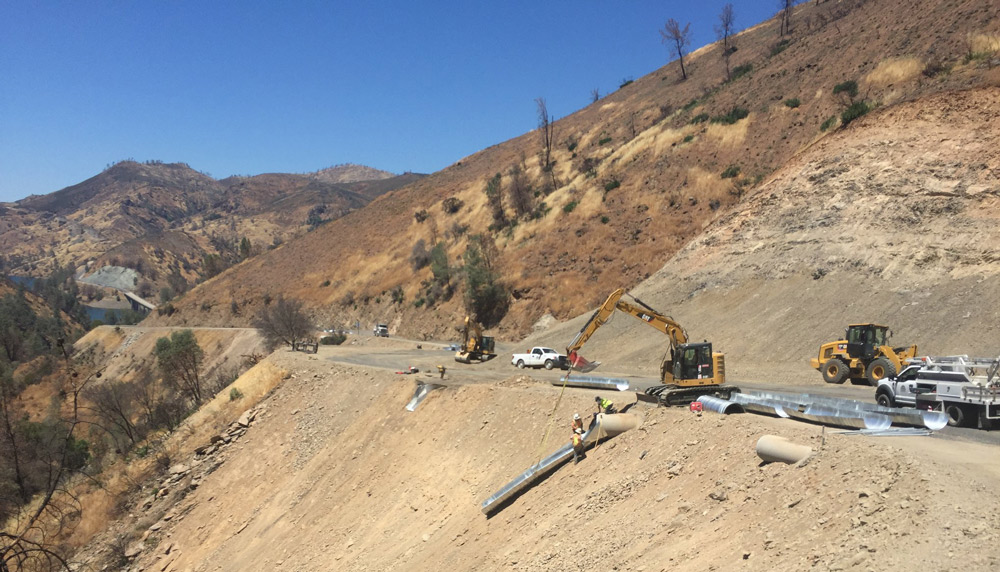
{"x":398,"y":354}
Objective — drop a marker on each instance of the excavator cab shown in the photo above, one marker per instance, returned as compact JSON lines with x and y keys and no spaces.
{"x":693,"y":361}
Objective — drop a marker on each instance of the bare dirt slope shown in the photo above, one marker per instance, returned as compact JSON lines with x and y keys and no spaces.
{"x":893,"y":221}
{"x":334,"y":474}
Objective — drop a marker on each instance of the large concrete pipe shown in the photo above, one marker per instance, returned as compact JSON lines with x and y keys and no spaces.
{"x":771,"y":448}
{"x":602,"y":427}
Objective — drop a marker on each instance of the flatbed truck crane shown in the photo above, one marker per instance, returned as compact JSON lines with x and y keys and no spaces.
{"x":690,"y":369}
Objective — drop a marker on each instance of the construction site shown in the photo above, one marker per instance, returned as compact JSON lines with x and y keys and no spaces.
{"x":736,"y":327}
{"x":342,"y":459}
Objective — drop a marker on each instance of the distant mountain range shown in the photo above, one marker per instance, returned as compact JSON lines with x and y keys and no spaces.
{"x":165,"y":220}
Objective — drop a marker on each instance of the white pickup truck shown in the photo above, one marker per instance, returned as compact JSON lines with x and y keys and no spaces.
{"x":966,"y":389}
{"x":540,"y":357}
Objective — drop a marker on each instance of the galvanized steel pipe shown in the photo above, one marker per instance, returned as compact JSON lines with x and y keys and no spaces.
{"x":602,"y":427}
{"x":610,"y":383}
{"x":719,"y":405}
{"x":420,"y":393}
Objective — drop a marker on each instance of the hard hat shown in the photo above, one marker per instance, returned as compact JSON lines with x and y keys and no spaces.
{"x":576,"y":416}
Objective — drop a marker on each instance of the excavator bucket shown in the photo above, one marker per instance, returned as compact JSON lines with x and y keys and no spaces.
{"x":582,"y":364}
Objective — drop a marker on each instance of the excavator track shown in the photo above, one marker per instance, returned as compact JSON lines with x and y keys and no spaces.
{"x":675,"y":395}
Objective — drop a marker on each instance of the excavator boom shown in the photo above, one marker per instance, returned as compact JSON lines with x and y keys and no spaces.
{"x":691,"y":369}
{"x":639,"y":310}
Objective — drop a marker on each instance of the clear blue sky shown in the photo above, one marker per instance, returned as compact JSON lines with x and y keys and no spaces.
{"x":242,"y":88}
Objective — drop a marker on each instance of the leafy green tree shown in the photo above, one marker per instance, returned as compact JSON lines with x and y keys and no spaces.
{"x":494,"y":197}
{"x":179,"y":358}
{"x":486,"y":296}
{"x":245,"y":248}
{"x":283,"y":322}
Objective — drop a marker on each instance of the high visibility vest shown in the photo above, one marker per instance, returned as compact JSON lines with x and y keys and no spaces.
{"x":605,"y":404}
{"x":577,"y":440}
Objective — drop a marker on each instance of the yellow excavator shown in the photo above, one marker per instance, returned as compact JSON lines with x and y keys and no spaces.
{"x":689,"y":371}
{"x":475,"y":346}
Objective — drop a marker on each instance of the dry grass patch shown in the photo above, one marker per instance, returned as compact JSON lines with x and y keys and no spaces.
{"x":895,"y":70}
{"x":729,"y":135}
{"x":705,"y":185}
{"x":984,"y":43}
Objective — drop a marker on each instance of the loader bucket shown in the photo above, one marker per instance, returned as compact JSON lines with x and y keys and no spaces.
{"x":582,"y":364}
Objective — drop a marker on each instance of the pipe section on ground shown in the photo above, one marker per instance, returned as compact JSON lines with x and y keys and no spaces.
{"x":719,"y":405}
{"x":933,"y":420}
{"x":602,"y":427}
{"x":420,"y":393}
{"x":775,"y":449}
{"x":756,"y":404}
{"x":609,"y":383}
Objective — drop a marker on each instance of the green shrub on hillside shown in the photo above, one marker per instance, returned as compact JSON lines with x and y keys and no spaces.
{"x":740,"y":71}
{"x":779,"y":47}
{"x":333,"y":340}
{"x":700,"y":118}
{"x":828,"y":123}
{"x":856,"y":110}
{"x":731,"y":116}
{"x":731,"y":171}
{"x":688,"y":138}
{"x":568,"y":207}
{"x":849,"y":88}
{"x":612,"y":185}
{"x":604,"y":141}
{"x":792,"y":102}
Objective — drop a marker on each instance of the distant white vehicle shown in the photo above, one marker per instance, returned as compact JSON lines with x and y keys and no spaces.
{"x":540,"y":357}
{"x":381,"y":331}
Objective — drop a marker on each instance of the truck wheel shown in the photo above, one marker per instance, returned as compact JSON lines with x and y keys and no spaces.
{"x":878,"y":369}
{"x":956,"y":415}
{"x":835,"y":371}
{"x":884,"y":399}
{"x":520,"y":364}
{"x":548,"y":364}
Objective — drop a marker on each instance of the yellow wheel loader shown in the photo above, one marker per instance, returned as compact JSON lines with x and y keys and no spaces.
{"x":863,"y":356}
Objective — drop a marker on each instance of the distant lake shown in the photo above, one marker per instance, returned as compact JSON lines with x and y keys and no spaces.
{"x":99,"y":313}
{"x":27,"y":281}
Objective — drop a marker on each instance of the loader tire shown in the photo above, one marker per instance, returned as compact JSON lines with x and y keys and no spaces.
{"x":835,"y":371}
{"x":879,"y":368}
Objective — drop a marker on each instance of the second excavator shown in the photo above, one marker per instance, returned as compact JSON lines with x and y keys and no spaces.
{"x":689,"y":370}
{"x":475,"y":346}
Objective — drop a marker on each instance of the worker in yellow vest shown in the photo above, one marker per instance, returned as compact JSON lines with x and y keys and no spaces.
{"x":579,"y":450}
{"x":605,"y":405}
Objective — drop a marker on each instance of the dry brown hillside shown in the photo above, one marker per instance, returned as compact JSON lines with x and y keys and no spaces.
{"x":638,"y":174}
{"x":160,"y":219}
{"x":894,"y":221}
